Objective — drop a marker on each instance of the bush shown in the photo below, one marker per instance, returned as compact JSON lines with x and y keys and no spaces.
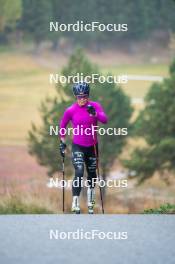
{"x":163,"y":209}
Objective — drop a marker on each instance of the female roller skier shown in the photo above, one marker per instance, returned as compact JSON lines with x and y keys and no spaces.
{"x":83,"y":114}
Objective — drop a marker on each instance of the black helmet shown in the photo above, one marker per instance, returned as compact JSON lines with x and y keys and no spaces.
{"x":81,"y":88}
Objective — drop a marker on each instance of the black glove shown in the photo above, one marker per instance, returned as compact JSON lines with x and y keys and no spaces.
{"x":62,"y":149}
{"x":91,"y":110}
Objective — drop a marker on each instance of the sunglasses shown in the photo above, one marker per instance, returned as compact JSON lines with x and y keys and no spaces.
{"x":82,"y":97}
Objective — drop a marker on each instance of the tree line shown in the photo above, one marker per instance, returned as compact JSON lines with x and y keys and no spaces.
{"x":32,"y":17}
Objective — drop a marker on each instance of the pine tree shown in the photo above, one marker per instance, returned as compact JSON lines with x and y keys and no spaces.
{"x":10,"y":12}
{"x":36,"y":17}
{"x":156,"y":124}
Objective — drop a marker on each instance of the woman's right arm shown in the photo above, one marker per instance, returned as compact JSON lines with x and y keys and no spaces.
{"x":63,"y":124}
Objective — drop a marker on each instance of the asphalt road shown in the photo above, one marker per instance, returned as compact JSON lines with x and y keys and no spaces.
{"x":35,"y":239}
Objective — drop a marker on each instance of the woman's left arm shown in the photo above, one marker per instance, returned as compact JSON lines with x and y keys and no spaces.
{"x":101,"y":115}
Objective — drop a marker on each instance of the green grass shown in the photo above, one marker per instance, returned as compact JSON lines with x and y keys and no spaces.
{"x":16,"y":206}
{"x":5,"y":48}
{"x":163,"y":209}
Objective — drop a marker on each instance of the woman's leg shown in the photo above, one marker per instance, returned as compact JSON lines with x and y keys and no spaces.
{"x":91,"y":164}
{"x":78,"y":163}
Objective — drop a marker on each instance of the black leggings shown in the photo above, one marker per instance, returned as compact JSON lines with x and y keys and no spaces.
{"x":83,"y":155}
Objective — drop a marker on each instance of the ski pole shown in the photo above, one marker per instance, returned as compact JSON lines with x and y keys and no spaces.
{"x":63,"y":183}
{"x":98,"y":173}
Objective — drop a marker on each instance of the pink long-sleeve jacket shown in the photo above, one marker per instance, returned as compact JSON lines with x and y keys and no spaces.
{"x":79,"y":117}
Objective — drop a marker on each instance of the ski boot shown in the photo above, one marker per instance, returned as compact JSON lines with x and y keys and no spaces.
{"x":75,"y":205}
{"x":91,"y":200}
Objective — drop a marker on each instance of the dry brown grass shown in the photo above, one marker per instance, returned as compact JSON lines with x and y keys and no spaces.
{"x":118,"y":201}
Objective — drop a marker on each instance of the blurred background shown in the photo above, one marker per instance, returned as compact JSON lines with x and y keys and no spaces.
{"x":29,"y":52}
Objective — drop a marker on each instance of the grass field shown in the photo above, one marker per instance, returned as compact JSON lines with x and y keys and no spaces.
{"x":24,"y":83}
{"x":138,"y":89}
{"x":139,"y":69}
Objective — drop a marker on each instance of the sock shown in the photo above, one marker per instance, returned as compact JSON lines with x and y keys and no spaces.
{"x":90,"y":195}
